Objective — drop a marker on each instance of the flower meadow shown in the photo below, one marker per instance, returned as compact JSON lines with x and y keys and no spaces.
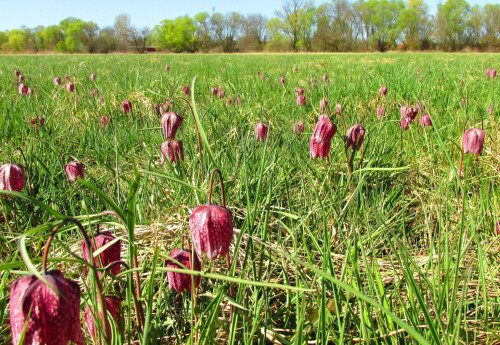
{"x":250,"y":199}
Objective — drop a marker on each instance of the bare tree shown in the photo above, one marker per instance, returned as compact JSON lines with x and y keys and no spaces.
{"x":297,"y":18}
{"x":226,"y":29}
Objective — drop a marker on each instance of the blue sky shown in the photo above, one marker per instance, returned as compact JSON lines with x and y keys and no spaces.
{"x":143,"y":12}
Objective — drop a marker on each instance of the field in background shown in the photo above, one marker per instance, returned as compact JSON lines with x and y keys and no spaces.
{"x":400,"y":237}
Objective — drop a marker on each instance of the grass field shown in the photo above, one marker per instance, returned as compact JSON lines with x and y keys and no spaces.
{"x":400,"y":251}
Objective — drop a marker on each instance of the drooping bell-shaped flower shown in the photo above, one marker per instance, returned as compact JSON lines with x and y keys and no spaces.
{"x":295,"y":68}
{"x":23,"y":89}
{"x":301,"y":100}
{"x":221,"y":94}
{"x":173,"y":150}
{"x":404,"y":123}
{"x":181,"y":282}
{"x":104,"y":120}
{"x":113,"y":305}
{"x":299,"y":91}
{"x":261,"y":131}
{"x":298,"y":128}
{"x":164,"y":107}
{"x":383,"y":90}
{"x":11,"y":177}
{"x":48,"y":315}
{"x":57,"y":81}
{"x":319,"y":144}
{"x":492,"y":73}
{"x":473,"y":141}
{"x":74,"y":170}
{"x":323,"y":104}
{"x":214,"y":90}
{"x":425,"y":120}
{"x":70,"y":87}
{"x":282,"y":80}
{"x":211,"y":230}
{"x":111,"y":254}
{"x":126,"y":106}
{"x":186,"y":90}
{"x":354,"y":136}
{"x":170,"y":123}
{"x":17,"y":73}
{"x":380,"y":112}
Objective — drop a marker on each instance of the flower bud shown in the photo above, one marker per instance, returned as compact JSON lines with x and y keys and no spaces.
{"x":425,"y":120}
{"x":492,"y":73}
{"x":23,"y":89}
{"x":261,"y":131}
{"x":70,"y":87}
{"x":354,"y":136}
{"x":338,"y":109}
{"x":323,"y":104}
{"x":126,"y":106}
{"x":185,"y":90}
{"x":57,"y":81}
{"x":299,"y":91}
{"x":167,"y":68}
{"x":383,"y":90}
{"x":404,"y":123}
{"x":104,"y":120}
{"x":282,"y":80}
{"x":380,"y":112}
{"x":301,"y":100}
{"x":92,"y":77}
{"x":298,"y":128}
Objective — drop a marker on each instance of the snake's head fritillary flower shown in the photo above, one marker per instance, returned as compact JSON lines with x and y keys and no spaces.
{"x":113,"y":305}
{"x":380,"y":112}
{"x":425,"y":120}
{"x":11,"y":177}
{"x":319,"y":144}
{"x":74,"y":170}
{"x":57,"y":81}
{"x":354,"y":136}
{"x":181,"y":282}
{"x":261,"y":131}
{"x":323,"y":104}
{"x":111,"y":254}
{"x":170,"y":123}
{"x":298,"y":128}
{"x":45,"y":314}
{"x":301,"y":100}
{"x":173,"y":150}
{"x":473,"y":141}
{"x":211,"y":230}
{"x":70,"y":87}
{"x":383,"y":90}
{"x":126,"y":106}
{"x":185,"y":90}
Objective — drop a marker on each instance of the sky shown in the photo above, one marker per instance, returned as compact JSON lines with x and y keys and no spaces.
{"x":143,"y":12}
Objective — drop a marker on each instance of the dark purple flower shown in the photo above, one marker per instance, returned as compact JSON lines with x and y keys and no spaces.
{"x":70,"y":87}
{"x":74,"y":170}
{"x":104,"y":120}
{"x":126,"y":106}
{"x":301,"y":100}
{"x":46,"y":315}
{"x":173,"y":150}
{"x":354,"y":136}
{"x":108,"y":255}
{"x":473,"y":141}
{"x":425,"y":120}
{"x":492,"y":73}
{"x":57,"y":81}
{"x":211,"y":230}
{"x":380,"y":112}
{"x":181,"y":282}
{"x":383,"y":90}
{"x":319,"y":144}
{"x":214,"y":90}
{"x":185,"y":90}
{"x":11,"y":177}
{"x":299,"y":91}
{"x":112,"y":305}
{"x":261,"y":131}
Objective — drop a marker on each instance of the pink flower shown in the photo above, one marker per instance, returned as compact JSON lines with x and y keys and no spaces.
{"x":425,"y":120}
{"x":104,"y":120}
{"x":126,"y":106}
{"x":221,"y":94}
{"x":108,"y":255}
{"x":492,"y":73}
{"x":17,"y":73}
{"x":380,"y":112}
{"x":298,"y":128}
{"x":473,"y":141}
{"x":319,"y":144}
{"x":323,"y":104}
{"x":57,"y":81}
{"x":94,"y":92}
{"x":211,"y":230}
{"x":186,"y":91}
{"x":51,"y":315}
{"x":301,"y":100}
{"x":405,"y":122}
{"x":74,"y":170}
{"x":11,"y":177}
{"x":112,"y":305}
{"x":355,"y":136}
{"x":299,"y":91}
{"x":214,"y":90}
{"x":70,"y":87}
{"x":261,"y":131}
{"x":490,"y":109}
{"x":173,"y":150}
{"x":383,"y":90}
{"x":170,"y":123}
{"x":181,"y":282}
{"x":23,"y":89}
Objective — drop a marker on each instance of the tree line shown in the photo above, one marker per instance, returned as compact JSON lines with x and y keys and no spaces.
{"x":299,"y":25}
